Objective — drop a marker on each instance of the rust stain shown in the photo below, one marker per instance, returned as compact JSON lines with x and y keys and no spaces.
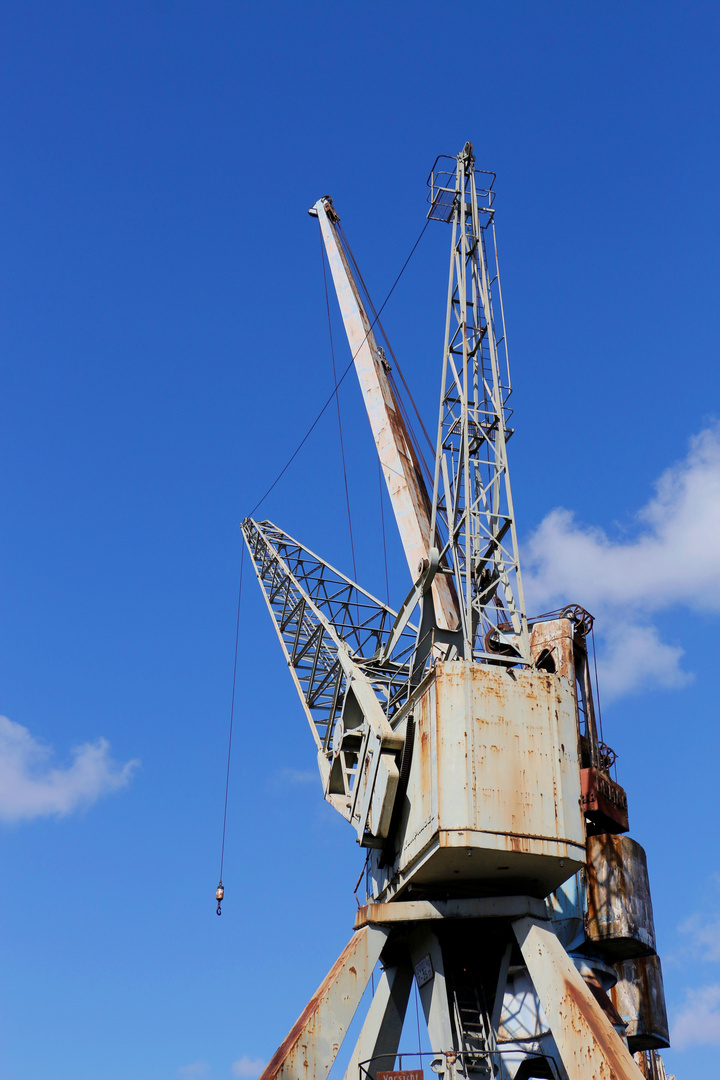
{"x":639,"y":997}
{"x":604,"y":1037}
{"x":291,"y":1047}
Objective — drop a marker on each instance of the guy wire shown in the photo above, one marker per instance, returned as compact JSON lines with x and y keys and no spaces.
{"x":316,"y":421}
{"x":337,"y":402}
{"x":382,"y":520}
{"x":232,"y":716}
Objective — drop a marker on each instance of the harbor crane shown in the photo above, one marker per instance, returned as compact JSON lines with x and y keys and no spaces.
{"x":460,"y":740}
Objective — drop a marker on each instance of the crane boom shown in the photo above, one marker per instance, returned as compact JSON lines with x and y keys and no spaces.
{"x":406,"y":486}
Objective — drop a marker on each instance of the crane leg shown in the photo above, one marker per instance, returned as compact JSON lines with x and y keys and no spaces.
{"x":586,"y":1040}
{"x":380,"y":1035}
{"x":426,"y":953}
{"x":310,"y":1048}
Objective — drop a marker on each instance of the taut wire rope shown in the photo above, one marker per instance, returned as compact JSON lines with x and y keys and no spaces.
{"x":220,"y":891}
{"x":395,"y":360}
{"x":417,"y":1016}
{"x":337,"y":402}
{"x":382,"y":521}
{"x":597,"y":684}
{"x":317,"y":419}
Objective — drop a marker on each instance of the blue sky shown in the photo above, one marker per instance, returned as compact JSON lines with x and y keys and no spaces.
{"x":165,"y":347}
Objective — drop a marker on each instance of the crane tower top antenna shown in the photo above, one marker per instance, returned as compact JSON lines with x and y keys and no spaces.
{"x":472,"y":507}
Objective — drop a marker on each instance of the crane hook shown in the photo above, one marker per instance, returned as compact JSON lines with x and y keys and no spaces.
{"x":219,"y":893}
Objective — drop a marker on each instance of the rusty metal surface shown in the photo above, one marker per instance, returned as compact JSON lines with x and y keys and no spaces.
{"x":651,"y":1065}
{"x":494,"y":786}
{"x":639,"y":997}
{"x":620,"y":917}
{"x":486,"y":907}
{"x":554,"y":637}
{"x":587,"y":1042}
{"x":604,"y":801}
{"x":310,"y":1048}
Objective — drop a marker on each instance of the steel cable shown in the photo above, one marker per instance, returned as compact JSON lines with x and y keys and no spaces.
{"x":317,"y":419}
{"x":337,"y":402}
{"x":220,"y":892}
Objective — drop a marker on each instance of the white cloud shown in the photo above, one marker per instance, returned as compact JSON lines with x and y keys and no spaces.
{"x":698,"y":1022}
{"x":674,"y":561}
{"x":701,"y":930}
{"x":297,"y":777}
{"x":281,"y":779}
{"x":30,"y":786}
{"x":248,"y":1068}
{"x":198,"y":1068}
{"x":704,"y":936}
{"x":634,"y":656}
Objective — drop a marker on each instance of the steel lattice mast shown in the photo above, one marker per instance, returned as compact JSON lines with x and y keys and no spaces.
{"x":472,"y":500}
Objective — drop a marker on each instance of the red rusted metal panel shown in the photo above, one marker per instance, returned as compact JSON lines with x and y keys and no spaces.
{"x":401,"y":1074}
{"x":604,"y":802}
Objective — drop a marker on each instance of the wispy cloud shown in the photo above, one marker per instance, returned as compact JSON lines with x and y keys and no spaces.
{"x":701,"y":930}
{"x":31,"y":786}
{"x":672,"y":561}
{"x":248,"y":1068}
{"x":281,"y":779}
{"x":297,"y":777}
{"x":698,"y":1021}
{"x":190,"y":1072}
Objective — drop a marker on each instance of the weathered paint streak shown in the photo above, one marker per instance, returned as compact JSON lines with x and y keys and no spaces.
{"x":311,"y":1046}
{"x":587,"y":1042}
{"x":620,"y":915}
{"x":496,"y":774}
{"x":639,"y":997}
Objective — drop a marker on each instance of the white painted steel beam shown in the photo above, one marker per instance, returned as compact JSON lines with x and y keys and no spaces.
{"x":310,"y":1048}
{"x":405,"y":484}
{"x":588,"y":1044}
{"x":427,"y":958}
{"x":485,"y":907}
{"x":380,"y":1035}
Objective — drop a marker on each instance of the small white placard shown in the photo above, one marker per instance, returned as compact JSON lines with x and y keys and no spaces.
{"x":424,"y":970}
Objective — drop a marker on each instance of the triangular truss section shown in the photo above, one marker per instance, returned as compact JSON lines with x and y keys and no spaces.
{"x":327,"y":625}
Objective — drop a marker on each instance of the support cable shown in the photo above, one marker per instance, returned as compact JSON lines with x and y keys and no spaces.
{"x":220,"y":891}
{"x":316,"y":421}
{"x":337,"y":402}
{"x":395,"y":360}
{"x":417,"y":1016}
{"x":382,"y":520}
{"x":597,"y":685}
